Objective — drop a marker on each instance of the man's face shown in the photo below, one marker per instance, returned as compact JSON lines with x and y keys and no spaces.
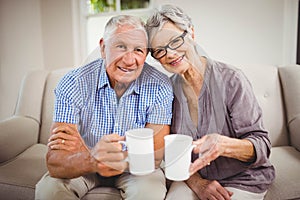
{"x":124,"y":53}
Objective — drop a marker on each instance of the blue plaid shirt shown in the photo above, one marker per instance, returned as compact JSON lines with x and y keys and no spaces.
{"x":84,"y":97}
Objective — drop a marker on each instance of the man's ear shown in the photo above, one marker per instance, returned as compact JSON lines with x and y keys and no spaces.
{"x":102,"y":47}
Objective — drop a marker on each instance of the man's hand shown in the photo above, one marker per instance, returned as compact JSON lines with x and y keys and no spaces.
{"x":207,"y":189}
{"x":109,"y":156}
{"x":66,"y":137}
{"x":69,"y":157}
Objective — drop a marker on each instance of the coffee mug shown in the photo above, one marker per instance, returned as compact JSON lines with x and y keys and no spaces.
{"x":178,"y":149}
{"x":140,"y":146}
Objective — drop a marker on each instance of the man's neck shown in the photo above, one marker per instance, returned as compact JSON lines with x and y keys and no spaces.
{"x":120,"y":88}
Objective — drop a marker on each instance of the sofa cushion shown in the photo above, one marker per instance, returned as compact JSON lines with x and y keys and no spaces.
{"x":267,"y":89}
{"x":286,"y":160}
{"x":17,"y":134}
{"x":21,"y":174}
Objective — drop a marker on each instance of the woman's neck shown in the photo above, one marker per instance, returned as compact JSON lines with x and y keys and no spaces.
{"x":194,"y":76}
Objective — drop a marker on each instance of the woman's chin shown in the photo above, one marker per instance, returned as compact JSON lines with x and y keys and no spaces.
{"x":176,"y":71}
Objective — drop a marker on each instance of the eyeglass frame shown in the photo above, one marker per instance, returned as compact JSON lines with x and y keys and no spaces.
{"x":168,"y":45}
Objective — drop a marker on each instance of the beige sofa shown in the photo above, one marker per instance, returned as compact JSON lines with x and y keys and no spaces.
{"x":23,"y":136}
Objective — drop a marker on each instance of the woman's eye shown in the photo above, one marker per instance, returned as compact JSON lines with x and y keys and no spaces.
{"x":158,"y":51}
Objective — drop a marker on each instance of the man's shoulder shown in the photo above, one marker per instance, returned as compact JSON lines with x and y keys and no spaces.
{"x":84,"y":75}
{"x":89,"y":68}
{"x":85,"y":71}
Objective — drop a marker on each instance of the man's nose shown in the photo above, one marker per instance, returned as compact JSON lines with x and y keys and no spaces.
{"x":129,"y":58}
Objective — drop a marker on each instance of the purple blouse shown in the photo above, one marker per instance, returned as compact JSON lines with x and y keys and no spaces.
{"x":227,"y":106}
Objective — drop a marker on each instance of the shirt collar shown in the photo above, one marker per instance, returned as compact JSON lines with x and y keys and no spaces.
{"x":104,"y":81}
{"x":103,"y":78}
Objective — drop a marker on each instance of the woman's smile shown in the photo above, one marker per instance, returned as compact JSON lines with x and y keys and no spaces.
{"x":177,"y":61}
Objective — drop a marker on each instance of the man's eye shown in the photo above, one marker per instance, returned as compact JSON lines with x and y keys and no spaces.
{"x":121,"y":46}
{"x":141,"y":50}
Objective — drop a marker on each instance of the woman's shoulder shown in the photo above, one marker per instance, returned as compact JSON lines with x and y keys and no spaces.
{"x":227,"y":72}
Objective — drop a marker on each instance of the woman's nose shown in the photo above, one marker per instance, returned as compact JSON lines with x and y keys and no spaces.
{"x":171,"y":53}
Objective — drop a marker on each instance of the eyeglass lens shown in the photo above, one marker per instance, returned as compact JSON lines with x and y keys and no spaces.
{"x":174,"y":44}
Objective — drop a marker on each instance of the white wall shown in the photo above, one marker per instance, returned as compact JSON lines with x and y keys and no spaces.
{"x":34,"y":34}
{"x":57,"y":33}
{"x":235,"y":31}
{"x":46,"y":34}
{"x":244,"y":31}
{"x":20,"y":48}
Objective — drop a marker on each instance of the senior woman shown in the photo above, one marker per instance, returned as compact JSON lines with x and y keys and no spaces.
{"x":214,"y":103}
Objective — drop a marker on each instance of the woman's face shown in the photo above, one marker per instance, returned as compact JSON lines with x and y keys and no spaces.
{"x":176,"y":44}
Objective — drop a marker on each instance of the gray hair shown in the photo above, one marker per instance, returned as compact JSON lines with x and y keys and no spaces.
{"x":168,"y":13}
{"x":123,"y":20}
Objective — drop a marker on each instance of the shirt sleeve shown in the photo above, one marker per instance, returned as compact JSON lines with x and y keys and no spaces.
{"x":246,"y":116}
{"x":67,"y":97}
{"x":160,"y":111}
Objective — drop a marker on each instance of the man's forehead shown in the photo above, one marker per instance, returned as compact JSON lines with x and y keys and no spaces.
{"x":130,"y":31}
{"x":136,"y":35}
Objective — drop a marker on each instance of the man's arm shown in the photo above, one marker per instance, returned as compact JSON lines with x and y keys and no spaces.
{"x":69,"y":157}
{"x":160,"y":130}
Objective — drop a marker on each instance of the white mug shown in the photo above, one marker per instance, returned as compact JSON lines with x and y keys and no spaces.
{"x":178,"y":149}
{"x":140,"y":148}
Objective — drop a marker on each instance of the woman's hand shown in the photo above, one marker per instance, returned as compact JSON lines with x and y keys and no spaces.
{"x":209,"y":148}
{"x":207,"y":189}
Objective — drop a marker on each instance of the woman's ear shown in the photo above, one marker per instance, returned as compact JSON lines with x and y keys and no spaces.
{"x":102,"y":47}
{"x":193,"y":33}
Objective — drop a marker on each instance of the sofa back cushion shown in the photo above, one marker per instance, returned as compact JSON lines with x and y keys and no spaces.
{"x":266,"y":85}
{"x":290,"y":81}
{"x":48,"y":103}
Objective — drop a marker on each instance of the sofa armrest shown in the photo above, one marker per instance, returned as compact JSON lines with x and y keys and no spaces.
{"x":294,"y":128}
{"x":290,"y":82}
{"x":16,"y":135}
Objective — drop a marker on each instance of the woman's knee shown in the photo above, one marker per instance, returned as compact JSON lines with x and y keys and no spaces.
{"x":180,"y":190}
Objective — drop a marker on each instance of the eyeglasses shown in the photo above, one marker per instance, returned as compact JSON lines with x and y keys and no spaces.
{"x":160,"y":52}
